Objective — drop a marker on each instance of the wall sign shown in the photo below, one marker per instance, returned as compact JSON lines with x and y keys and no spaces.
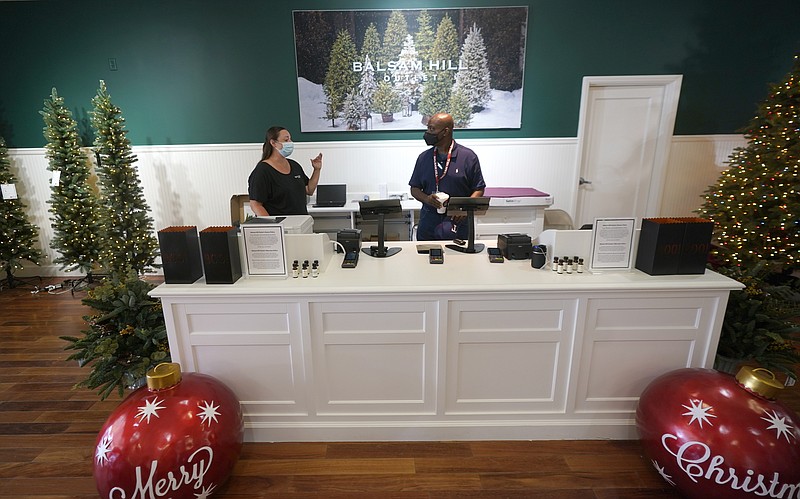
{"x":360,"y":70}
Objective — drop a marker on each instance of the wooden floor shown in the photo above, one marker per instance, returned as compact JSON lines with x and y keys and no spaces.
{"x":48,"y":430}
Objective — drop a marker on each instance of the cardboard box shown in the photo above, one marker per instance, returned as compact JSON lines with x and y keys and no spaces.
{"x":220,"y":248}
{"x":180,"y":254}
{"x":674,"y":245}
{"x":240,"y":208}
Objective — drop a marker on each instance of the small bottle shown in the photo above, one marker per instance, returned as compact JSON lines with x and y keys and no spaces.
{"x":560,"y":268}
{"x":305,"y":270}
{"x":314,"y":269}
{"x":580,"y":265}
{"x":575,"y":264}
{"x":295,"y":270}
{"x":568,"y":266}
{"x":555,"y":264}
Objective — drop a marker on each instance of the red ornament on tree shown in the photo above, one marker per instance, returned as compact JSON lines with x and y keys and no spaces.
{"x":712,"y":435}
{"x":178,"y":437}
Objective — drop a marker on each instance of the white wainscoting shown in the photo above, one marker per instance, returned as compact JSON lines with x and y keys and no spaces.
{"x":193,"y":184}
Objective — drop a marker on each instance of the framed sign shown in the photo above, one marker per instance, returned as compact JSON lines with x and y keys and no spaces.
{"x":361,"y":70}
{"x":265,"y":250}
{"x":612,"y":244}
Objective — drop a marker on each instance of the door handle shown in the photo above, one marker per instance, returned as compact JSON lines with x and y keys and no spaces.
{"x":582,"y":181}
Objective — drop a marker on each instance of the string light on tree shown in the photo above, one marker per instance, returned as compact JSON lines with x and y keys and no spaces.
{"x":754,"y":204}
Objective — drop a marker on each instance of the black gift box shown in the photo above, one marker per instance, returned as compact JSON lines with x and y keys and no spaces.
{"x":180,"y":254}
{"x":674,"y":245}
{"x":221,"y":260}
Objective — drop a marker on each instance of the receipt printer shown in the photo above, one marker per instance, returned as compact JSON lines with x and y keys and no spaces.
{"x":350,"y":239}
{"x":515,"y":246}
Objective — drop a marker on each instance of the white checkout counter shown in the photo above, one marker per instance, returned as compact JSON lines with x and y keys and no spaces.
{"x":400,"y":349}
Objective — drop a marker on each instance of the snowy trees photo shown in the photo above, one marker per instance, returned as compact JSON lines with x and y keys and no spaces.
{"x":411,"y":65}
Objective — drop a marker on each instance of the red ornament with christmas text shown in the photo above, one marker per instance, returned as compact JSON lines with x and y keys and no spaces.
{"x":712,"y":435}
{"x":178,"y":437}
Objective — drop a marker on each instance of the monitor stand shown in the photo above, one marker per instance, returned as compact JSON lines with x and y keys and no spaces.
{"x":380,"y":251}
{"x":471,"y":247}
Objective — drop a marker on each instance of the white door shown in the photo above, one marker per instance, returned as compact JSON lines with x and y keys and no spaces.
{"x":624,"y":135}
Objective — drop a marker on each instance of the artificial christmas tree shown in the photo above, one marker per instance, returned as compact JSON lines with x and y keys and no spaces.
{"x":436,"y":93}
{"x":340,"y":79}
{"x":755,"y":205}
{"x":473,"y":78}
{"x":73,"y":202}
{"x":127,"y":229}
{"x":371,"y":46}
{"x":17,"y":235}
{"x":409,"y":77}
{"x":393,"y":37}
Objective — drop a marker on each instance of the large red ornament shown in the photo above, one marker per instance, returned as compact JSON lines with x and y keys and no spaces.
{"x":178,"y":437}
{"x":712,"y":435}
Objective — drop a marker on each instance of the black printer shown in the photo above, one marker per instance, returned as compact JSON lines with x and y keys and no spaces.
{"x":515,"y":246}
{"x":350,"y":239}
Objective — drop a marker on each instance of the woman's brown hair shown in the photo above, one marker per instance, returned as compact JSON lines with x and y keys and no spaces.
{"x":272,"y":134}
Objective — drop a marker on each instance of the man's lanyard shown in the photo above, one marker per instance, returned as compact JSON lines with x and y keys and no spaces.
{"x":446,"y":165}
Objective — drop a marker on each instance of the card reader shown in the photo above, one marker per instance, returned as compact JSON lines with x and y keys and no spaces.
{"x":436,"y":255}
{"x":350,"y":260}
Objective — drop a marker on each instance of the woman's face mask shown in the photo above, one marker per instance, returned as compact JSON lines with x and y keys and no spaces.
{"x":286,"y":148}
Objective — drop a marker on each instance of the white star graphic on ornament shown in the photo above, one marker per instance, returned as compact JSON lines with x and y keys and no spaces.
{"x":103,"y":448}
{"x":208,"y":413}
{"x":779,"y":424}
{"x":699,"y":412}
{"x":663,"y":473}
{"x":150,"y":408}
{"x":206,"y":492}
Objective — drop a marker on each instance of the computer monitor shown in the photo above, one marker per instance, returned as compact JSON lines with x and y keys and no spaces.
{"x":377,"y":210}
{"x":471,"y":205}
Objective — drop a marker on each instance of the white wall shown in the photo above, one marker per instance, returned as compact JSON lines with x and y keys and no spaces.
{"x":193,"y":184}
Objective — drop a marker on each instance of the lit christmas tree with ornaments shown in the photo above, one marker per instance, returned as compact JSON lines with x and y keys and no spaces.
{"x":17,"y":235}
{"x":127,"y":229}
{"x":74,"y":203}
{"x":755,"y":205}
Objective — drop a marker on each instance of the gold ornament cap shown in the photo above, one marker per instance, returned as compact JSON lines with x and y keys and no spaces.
{"x":164,"y":375}
{"x":759,"y":381}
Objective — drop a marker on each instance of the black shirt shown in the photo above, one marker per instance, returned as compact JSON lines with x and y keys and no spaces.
{"x":281,"y":194}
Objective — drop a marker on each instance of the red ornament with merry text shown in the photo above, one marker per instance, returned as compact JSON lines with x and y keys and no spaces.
{"x":178,"y":437}
{"x":710,"y":434}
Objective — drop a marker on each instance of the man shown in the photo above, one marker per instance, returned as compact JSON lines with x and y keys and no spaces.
{"x":449,"y":168}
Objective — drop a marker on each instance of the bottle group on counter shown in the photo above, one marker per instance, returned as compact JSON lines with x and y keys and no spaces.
{"x":567,"y":265}
{"x":305,"y":270}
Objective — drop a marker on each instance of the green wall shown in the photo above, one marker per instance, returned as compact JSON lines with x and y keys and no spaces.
{"x":203,"y":71}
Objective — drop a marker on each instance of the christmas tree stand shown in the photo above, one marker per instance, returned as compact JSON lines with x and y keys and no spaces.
{"x":85,"y":282}
{"x":11,"y":281}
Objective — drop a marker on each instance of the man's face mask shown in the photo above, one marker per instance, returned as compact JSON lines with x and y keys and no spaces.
{"x":430,"y":138}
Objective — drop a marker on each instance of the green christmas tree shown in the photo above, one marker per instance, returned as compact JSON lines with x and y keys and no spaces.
{"x":17,"y":235}
{"x":74,"y":203}
{"x":393,"y":37}
{"x":127,"y":235}
{"x":340,"y":79}
{"x":755,"y":205}
{"x":386,"y":101}
{"x":436,"y":93}
{"x":424,"y":37}
{"x":460,"y":108}
{"x":371,"y":46}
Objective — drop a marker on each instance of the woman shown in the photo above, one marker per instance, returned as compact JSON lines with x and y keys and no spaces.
{"x":278,"y":185}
